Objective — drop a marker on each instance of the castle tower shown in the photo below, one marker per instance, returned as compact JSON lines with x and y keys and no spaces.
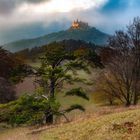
{"x":79,"y":25}
{"x":75,"y":24}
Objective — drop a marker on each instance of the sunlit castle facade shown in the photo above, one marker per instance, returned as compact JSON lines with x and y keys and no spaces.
{"x":79,"y":25}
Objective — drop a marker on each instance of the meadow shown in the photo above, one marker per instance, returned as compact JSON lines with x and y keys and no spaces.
{"x":102,"y":123}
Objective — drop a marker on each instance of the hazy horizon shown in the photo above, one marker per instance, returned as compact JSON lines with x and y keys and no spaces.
{"x":32,"y":18}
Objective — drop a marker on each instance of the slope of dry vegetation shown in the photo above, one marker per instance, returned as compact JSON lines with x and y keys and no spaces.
{"x":103,"y":124}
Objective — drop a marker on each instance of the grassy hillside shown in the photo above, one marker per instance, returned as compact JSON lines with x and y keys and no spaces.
{"x":89,"y":35}
{"x":119,"y":126}
{"x":124,"y":125}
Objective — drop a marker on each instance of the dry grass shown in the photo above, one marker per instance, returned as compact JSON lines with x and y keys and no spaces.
{"x":102,"y":123}
{"x":117,"y":126}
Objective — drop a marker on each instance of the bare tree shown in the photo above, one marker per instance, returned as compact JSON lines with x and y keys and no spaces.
{"x":119,"y":78}
{"x":123,"y":70}
{"x":103,"y":91}
{"x":134,"y":35}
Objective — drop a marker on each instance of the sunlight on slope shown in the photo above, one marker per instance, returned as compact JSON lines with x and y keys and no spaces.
{"x":116,"y":126}
{"x":119,"y":126}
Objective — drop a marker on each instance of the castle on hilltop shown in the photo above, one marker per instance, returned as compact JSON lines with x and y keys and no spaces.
{"x":79,"y":25}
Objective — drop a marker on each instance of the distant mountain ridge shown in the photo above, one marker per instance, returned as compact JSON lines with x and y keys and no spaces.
{"x":90,"y":34}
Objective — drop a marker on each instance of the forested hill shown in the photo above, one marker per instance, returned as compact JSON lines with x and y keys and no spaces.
{"x":88,"y":35}
{"x":70,"y":45}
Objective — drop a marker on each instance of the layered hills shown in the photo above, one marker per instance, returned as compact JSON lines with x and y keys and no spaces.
{"x":78,"y":31}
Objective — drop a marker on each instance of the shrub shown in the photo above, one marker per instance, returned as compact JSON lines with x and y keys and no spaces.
{"x":27,"y":109}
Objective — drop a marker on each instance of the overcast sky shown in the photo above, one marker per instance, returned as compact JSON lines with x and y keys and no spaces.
{"x":20,"y":19}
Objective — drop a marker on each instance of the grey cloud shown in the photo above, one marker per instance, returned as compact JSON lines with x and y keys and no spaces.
{"x":7,"y":6}
{"x":35,"y":1}
{"x":105,"y":20}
